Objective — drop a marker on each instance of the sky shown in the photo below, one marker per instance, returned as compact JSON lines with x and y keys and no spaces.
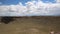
{"x":8,"y":2}
{"x":29,"y":7}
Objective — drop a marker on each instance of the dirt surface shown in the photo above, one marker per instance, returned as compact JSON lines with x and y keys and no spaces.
{"x":31,"y":25}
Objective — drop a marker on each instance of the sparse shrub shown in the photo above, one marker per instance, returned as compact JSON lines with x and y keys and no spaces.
{"x":6,"y":20}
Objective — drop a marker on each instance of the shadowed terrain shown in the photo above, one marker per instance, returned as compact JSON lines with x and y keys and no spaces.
{"x":6,"y":20}
{"x":31,"y":25}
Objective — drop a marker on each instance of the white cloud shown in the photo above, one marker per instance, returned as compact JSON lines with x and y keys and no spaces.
{"x":58,"y":1}
{"x":31,"y":9}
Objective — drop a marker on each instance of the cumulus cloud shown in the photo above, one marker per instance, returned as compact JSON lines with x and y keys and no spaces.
{"x":58,"y":1}
{"x":31,"y":8}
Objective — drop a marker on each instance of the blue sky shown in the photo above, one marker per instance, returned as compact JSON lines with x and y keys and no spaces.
{"x":45,"y":1}
{"x":8,"y":2}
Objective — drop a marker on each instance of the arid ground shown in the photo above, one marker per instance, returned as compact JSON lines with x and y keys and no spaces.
{"x":31,"y":25}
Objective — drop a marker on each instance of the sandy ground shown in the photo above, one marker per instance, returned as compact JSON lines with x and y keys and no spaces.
{"x":31,"y":26}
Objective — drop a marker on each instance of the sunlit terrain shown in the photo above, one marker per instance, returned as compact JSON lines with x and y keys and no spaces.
{"x":31,"y":25}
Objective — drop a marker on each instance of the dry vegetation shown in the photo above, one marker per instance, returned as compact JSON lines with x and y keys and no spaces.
{"x":31,"y":25}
